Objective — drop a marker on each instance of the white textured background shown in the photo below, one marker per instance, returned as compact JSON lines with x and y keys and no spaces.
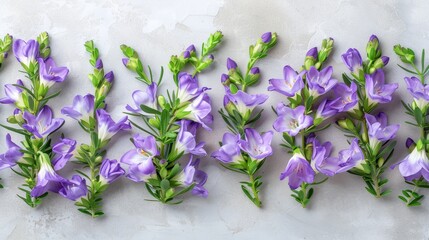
{"x":340,"y":208}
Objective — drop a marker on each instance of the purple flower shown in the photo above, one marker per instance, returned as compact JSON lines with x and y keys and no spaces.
{"x":107,"y":127}
{"x":188,"y":87}
{"x":320,"y":82}
{"x":199,"y":111}
{"x":325,"y":109}
{"x":26,"y":52}
{"x":376,"y":89}
{"x":63,"y":152}
{"x":13,"y":95}
{"x":256,"y":145}
{"x":347,"y":98}
{"x":73,"y":189}
{"x":110,"y":170}
{"x":191,"y":174}
{"x":312,"y":53}
{"x":140,"y":158}
{"x":12,"y":155}
{"x":419,"y":91}
{"x":109,"y":77}
{"x":378,"y":130}
{"x":50,"y":73}
{"x":230,"y":151}
{"x":291,"y":120}
{"x":147,"y":98}
{"x":243,"y":102}
{"x":186,"y":139}
{"x":43,"y":124}
{"x":266,"y":37}
{"x":415,"y":165}
{"x":231,"y":64}
{"x":82,"y":108}
{"x":322,"y":159}
{"x":47,"y":178}
{"x":350,"y":158}
{"x":99,"y":64}
{"x":290,"y":85}
{"x":298,"y":170}
{"x":352,"y":60}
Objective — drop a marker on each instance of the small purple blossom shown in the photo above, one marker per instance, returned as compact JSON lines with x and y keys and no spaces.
{"x":47,"y":179}
{"x":107,"y":128}
{"x":110,"y":171}
{"x":312,"y":53}
{"x":147,"y":98}
{"x":43,"y":124}
{"x":378,"y":130}
{"x":325,"y":109}
{"x":243,"y":102}
{"x":256,"y":145}
{"x":186,"y":139}
{"x":415,"y":165}
{"x":298,"y":170}
{"x":290,"y":85}
{"x":230,"y":151}
{"x":140,"y":158}
{"x":12,"y":155}
{"x":350,"y":158}
{"x":346,"y":97}
{"x":13,"y":95}
{"x":82,"y":108}
{"x":74,"y":188}
{"x":266,"y":37}
{"x":322,"y":159}
{"x":50,"y":73}
{"x":231,"y":64}
{"x":376,"y":89}
{"x":63,"y":152}
{"x":188,"y":87}
{"x":352,"y":60}
{"x":320,"y":82}
{"x":26,"y":52}
{"x":419,"y":91}
{"x":191,"y":174}
{"x":291,"y":120}
{"x":200,"y":111}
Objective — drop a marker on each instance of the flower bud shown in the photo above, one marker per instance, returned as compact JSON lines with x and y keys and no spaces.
{"x":380,"y":62}
{"x":161,"y":101}
{"x":99,"y":64}
{"x":372,"y":48}
{"x":410,"y":144}
{"x":253,"y":76}
{"x":310,"y":58}
{"x":231,"y":64}
{"x":130,"y":63}
{"x":266,"y":37}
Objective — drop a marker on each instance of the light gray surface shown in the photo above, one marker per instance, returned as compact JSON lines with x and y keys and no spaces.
{"x":340,"y":208}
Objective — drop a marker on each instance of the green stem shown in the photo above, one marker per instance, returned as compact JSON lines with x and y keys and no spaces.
{"x":256,"y":201}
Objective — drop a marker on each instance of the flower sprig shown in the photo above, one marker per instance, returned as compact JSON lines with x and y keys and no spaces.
{"x":362,"y":92}
{"x":5,"y":46}
{"x":37,"y":160}
{"x":244,"y":149}
{"x":415,"y":167}
{"x":171,"y":123}
{"x":90,"y":112}
{"x":303,"y":117}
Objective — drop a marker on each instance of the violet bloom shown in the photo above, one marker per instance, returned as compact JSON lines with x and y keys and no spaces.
{"x":230,"y":151}
{"x":231,"y":64}
{"x":140,"y":158}
{"x":147,"y":98}
{"x":26,"y":52}
{"x":47,"y":179}
{"x":186,"y":139}
{"x":419,"y":91}
{"x":378,"y":130}
{"x":190,"y":175}
{"x":43,"y":124}
{"x":12,"y":155}
{"x":110,"y":170}
{"x":415,"y":165}
{"x":63,"y":152}
{"x":298,"y":170}
{"x":346,"y":97}
{"x":13,"y":95}
{"x":188,"y":87}
{"x":199,"y":111}
{"x":256,"y":145}
{"x":322,"y":160}
{"x":320,"y":82}
{"x":312,"y":53}
{"x":350,"y":158}
{"x":325,"y":109}
{"x":291,"y":120}
{"x":107,"y":128}
{"x":50,"y":73}
{"x":243,"y":102}
{"x":74,"y":188}
{"x":266,"y":37}
{"x":352,"y":60}
{"x":82,"y":108}
{"x":290,"y":85}
{"x":375,"y":88}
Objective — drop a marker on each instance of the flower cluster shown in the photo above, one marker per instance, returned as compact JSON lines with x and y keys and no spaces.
{"x":363,"y":91}
{"x":171,"y":124}
{"x":415,"y":167}
{"x":5,"y":46}
{"x":91,"y":113}
{"x":36,"y":159}
{"x":244,"y":149}
{"x":304,"y":116}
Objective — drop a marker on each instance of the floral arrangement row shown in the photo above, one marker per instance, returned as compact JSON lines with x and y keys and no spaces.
{"x":167,"y":153}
